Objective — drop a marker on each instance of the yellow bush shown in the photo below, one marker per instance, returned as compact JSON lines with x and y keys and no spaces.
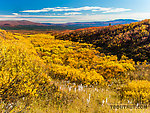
{"x":138,"y":91}
{"x":22,"y":73}
{"x":76,"y":75}
{"x":79,"y":56}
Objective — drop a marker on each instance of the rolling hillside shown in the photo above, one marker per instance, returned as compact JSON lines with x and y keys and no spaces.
{"x":18,"y":23}
{"x":132,"y":40}
{"x":41,"y":74}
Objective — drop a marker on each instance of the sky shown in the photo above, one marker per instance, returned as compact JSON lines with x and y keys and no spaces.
{"x":64,"y":11}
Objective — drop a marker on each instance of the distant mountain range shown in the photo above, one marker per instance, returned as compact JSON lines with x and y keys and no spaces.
{"x":28,"y":25}
{"x":97,"y":23}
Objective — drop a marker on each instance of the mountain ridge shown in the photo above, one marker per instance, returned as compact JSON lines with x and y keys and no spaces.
{"x":117,"y":21}
{"x":28,"y":25}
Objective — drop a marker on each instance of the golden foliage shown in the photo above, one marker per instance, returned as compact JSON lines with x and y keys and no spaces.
{"x":22,"y":71}
{"x":79,"y":62}
{"x":138,"y":91}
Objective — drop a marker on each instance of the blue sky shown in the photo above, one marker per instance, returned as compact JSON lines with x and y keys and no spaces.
{"x":63,"y":11}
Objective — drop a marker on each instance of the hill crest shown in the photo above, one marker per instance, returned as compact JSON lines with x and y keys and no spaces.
{"x":19,"y":22}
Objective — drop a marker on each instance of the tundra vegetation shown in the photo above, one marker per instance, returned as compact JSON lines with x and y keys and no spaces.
{"x":81,"y":71}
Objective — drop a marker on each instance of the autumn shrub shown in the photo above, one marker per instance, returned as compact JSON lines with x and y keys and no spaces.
{"x":24,"y":75}
{"x":21,"y":73}
{"x":76,"y":75}
{"x":79,"y":62}
{"x":5,"y":35}
{"x":137,"y":91}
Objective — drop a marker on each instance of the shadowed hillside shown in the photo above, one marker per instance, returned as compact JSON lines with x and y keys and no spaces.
{"x":132,"y":40}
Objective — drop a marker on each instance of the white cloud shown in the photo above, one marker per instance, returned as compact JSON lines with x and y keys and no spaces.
{"x":73,"y":13}
{"x":37,"y":11}
{"x":86,"y":8}
{"x":61,"y":7}
{"x":40,"y":16}
{"x":101,"y":9}
{"x":116,"y":10}
{"x":16,"y":14}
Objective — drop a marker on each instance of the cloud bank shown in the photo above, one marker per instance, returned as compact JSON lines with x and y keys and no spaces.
{"x":117,"y":10}
{"x":73,"y":13}
{"x":86,"y":8}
